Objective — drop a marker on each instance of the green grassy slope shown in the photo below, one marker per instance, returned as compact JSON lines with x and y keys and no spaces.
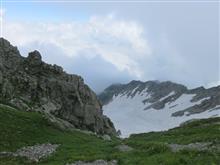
{"x":154,"y":144}
{"x":18,"y":129}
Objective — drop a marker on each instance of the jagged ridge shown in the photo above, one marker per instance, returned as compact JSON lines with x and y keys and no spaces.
{"x":159,"y":90}
{"x":155,"y":106}
{"x":32,"y":85}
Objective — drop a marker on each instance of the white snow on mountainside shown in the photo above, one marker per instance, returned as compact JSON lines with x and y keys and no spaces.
{"x":130,"y":115}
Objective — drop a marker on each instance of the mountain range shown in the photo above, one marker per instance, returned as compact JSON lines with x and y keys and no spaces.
{"x":139,"y":107}
{"x":50,"y":117}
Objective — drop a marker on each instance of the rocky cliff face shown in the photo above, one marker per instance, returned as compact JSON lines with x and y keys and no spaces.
{"x":32,"y":85}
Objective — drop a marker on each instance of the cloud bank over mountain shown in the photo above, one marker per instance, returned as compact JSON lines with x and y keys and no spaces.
{"x":111,"y":46}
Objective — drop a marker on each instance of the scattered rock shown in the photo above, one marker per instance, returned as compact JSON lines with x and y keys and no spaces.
{"x":6,"y":154}
{"x":36,"y":152}
{"x":20,"y":103}
{"x":192,"y":146}
{"x":97,"y":162}
{"x":33,"y":153}
{"x":124,"y":148}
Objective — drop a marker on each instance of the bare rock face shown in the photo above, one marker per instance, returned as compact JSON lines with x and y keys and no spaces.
{"x":31,"y":84}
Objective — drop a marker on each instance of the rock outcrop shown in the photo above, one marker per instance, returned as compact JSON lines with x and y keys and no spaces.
{"x":32,"y":85}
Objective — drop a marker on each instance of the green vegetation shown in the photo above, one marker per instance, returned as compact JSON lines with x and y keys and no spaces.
{"x":19,"y":129}
{"x":206,"y":130}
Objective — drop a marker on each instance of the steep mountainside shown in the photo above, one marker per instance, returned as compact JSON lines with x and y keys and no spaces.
{"x":32,"y":85}
{"x":196,"y":143}
{"x":154,"y":106}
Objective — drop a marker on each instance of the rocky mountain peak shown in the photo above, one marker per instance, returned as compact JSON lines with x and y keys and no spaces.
{"x":158,"y":94}
{"x":4,"y":43}
{"x":10,"y":57}
{"x":34,"y":58}
{"x":156,"y":88}
{"x":6,"y":46}
{"x":33,"y":85}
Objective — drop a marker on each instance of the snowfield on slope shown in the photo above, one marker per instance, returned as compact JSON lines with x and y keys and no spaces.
{"x":129,"y":116}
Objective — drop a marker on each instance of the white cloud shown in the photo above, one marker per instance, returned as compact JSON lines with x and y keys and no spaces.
{"x":213,"y":84}
{"x":2,"y":12}
{"x":118,"y":42}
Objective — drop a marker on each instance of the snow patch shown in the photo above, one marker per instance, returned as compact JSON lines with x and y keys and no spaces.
{"x":170,"y":94}
{"x":128,"y":113}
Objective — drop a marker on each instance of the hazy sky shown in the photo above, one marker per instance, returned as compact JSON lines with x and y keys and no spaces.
{"x":109,"y":42}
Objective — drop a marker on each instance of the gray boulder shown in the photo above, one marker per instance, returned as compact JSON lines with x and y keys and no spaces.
{"x":124,"y":148}
{"x":106,"y":137}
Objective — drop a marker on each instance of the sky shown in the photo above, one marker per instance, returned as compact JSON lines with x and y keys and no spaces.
{"x":110,"y":42}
